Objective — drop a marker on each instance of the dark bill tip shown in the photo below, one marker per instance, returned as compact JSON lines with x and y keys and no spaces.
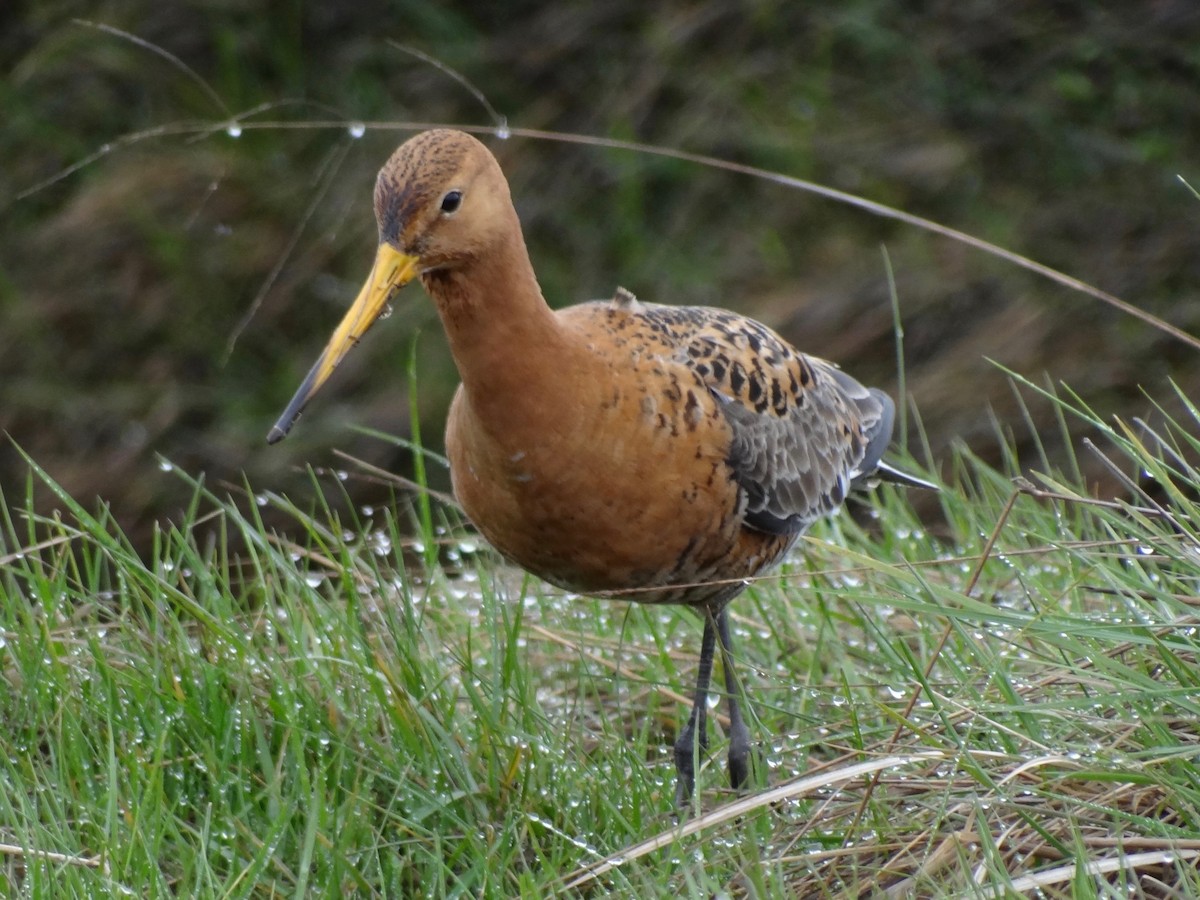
{"x":285,"y":422}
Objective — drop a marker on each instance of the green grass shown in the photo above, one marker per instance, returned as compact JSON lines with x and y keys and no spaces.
{"x":244,"y":713}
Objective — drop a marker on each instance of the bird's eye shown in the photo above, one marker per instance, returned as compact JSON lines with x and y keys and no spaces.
{"x":452,"y":201}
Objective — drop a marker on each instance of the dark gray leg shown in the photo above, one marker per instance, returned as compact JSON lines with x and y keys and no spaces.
{"x":739,"y":734}
{"x":693,"y":740}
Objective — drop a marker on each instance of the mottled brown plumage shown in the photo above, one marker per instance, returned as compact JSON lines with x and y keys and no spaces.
{"x":615,"y":445}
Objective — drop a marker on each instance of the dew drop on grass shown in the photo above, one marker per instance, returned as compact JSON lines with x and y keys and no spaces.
{"x":313,"y":579}
{"x":502,"y":131}
{"x":234,"y":130}
{"x":165,"y":465}
{"x":381,"y":544}
{"x":356,"y":130}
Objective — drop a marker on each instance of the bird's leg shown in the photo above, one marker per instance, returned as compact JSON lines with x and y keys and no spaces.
{"x":739,"y":734}
{"x":693,"y":740}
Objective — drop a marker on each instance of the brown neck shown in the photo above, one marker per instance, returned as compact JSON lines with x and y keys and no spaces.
{"x":501,"y":332}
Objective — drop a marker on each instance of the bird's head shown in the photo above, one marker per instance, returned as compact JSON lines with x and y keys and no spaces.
{"x":441,"y":202}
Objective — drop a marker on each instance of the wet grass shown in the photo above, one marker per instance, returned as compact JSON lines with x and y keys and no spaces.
{"x":1000,"y":704}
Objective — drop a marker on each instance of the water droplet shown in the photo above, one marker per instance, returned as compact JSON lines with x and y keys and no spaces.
{"x":165,"y":465}
{"x":234,"y":130}
{"x":502,"y":131}
{"x":381,"y":544}
{"x":357,"y":130}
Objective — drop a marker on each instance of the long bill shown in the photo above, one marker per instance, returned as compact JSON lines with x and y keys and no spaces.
{"x":391,"y":271}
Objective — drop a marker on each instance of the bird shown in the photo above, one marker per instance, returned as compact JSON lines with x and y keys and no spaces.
{"x":657,"y":453}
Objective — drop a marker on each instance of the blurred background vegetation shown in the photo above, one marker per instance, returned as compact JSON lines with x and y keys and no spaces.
{"x":1056,"y":130}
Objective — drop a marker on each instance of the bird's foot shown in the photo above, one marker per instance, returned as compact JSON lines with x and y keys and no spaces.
{"x":744,"y":761}
{"x":686,"y":753}
{"x":685,"y":789}
{"x":739,"y":768}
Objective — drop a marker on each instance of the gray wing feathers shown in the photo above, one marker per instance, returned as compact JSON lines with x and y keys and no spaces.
{"x":798,"y":467}
{"x":878,"y":438}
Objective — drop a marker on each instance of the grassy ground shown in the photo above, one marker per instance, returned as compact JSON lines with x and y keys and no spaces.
{"x":1002,"y":702}
{"x":1003,"y":705}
